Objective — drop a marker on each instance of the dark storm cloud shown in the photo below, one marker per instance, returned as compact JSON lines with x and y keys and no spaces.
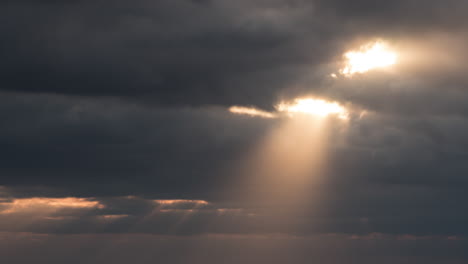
{"x":194,"y":52}
{"x":58,"y":141}
{"x":177,"y":52}
{"x":380,"y":167}
{"x":399,"y":15}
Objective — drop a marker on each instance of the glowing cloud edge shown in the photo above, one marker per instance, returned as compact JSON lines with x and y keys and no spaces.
{"x":306,"y":105}
{"x":374,"y":55}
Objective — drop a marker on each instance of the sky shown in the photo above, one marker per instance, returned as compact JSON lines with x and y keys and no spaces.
{"x":216,"y":131}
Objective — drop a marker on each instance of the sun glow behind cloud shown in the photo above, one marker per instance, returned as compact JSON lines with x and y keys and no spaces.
{"x":316,"y":107}
{"x":368,"y":57}
{"x":304,"y":106}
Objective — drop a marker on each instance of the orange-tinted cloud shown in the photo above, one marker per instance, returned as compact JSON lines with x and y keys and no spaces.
{"x":41,"y":203}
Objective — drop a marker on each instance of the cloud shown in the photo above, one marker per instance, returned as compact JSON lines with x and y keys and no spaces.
{"x":357,"y":217}
{"x":379,"y":165}
{"x":243,"y":53}
{"x":40,"y":204}
{"x":250,"y":111}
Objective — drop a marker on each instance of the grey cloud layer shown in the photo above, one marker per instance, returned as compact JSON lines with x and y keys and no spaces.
{"x":395,"y":172}
{"x":58,"y":141}
{"x":356,"y":216}
{"x":195,"y":52}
